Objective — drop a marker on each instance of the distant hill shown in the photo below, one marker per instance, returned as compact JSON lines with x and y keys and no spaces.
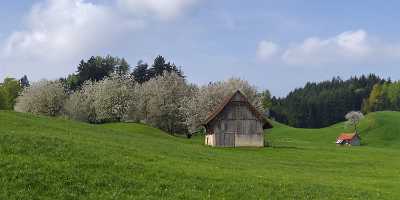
{"x":54,"y":158}
{"x":379,"y":129}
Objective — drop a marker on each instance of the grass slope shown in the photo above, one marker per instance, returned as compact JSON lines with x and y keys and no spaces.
{"x":47,"y":158}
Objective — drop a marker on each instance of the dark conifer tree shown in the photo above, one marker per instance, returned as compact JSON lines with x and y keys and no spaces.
{"x":141,"y":72}
{"x":159,"y":66}
{"x":24,"y":82}
{"x":122,"y":67}
{"x":325,"y":103}
{"x":96,"y":68}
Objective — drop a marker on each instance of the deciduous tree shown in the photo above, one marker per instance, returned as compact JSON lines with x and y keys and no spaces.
{"x":43,"y":97}
{"x":353,"y":118}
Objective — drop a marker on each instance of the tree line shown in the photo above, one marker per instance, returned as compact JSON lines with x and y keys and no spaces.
{"x":97,"y":68}
{"x":106,"y":89}
{"x":384,"y":96}
{"x":325,"y":103}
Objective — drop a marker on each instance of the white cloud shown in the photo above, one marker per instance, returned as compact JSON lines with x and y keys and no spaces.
{"x":58,"y":33}
{"x":353,"y":42}
{"x":61,"y":27}
{"x":164,"y":9}
{"x":349,"y":47}
{"x":266,"y":50}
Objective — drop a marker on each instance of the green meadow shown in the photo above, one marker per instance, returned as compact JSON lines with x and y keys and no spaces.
{"x":55,"y":158}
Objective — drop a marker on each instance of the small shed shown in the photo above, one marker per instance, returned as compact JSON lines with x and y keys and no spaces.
{"x":349,"y":139}
{"x":236,"y":123}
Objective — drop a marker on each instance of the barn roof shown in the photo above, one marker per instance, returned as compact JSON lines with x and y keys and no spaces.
{"x":347,"y":136}
{"x":228,"y":99}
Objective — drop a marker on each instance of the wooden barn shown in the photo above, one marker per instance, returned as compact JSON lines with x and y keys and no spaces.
{"x":236,"y":123}
{"x":349,"y":139}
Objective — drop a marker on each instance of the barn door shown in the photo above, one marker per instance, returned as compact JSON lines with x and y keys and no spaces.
{"x":229,"y":139}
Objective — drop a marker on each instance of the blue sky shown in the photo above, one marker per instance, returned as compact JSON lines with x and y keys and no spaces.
{"x":276,"y":45}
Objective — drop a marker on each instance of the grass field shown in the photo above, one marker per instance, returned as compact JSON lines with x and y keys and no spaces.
{"x":47,"y":158}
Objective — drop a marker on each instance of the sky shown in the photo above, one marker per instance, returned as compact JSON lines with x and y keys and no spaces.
{"x":275,"y":45}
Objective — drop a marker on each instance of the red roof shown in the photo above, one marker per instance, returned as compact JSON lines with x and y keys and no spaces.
{"x":347,"y":136}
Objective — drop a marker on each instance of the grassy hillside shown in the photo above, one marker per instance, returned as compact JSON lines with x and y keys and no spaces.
{"x":380,"y":129}
{"x":46,"y":158}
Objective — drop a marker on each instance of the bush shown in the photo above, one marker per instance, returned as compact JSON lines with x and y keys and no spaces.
{"x":108,"y":100}
{"x":9,"y":91}
{"x":3,"y":99}
{"x":43,"y":97}
{"x":167,"y":102}
{"x":113,"y":98}
{"x":80,"y":104}
{"x":161,"y":101}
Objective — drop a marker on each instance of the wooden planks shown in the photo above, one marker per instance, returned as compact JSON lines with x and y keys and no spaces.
{"x":236,"y":119}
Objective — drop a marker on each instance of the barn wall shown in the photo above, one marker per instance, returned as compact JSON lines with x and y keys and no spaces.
{"x":224,"y":135}
{"x":356,"y":141}
{"x":253,"y":140}
{"x":251,"y":133}
{"x":236,"y":125}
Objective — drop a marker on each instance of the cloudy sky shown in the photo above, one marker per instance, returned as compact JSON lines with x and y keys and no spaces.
{"x":276,"y":45}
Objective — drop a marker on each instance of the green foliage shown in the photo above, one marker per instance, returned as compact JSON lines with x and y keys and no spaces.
{"x":383,"y":97}
{"x":95,"y":69}
{"x":71,"y":82}
{"x":323,"y":104}
{"x":9,"y":91}
{"x":142,"y":73}
{"x":375,"y":99}
{"x":3,"y":99}
{"x":393,"y":95}
{"x":122,"y":66}
{"x":159,"y":66}
{"x":49,"y":158}
{"x":266,"y":99}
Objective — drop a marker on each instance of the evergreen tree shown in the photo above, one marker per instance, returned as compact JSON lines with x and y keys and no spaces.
{"x":159,"y":66}
{"x":24,"y":82}
{"x":141,"y":72}
{"x":97,"y":68}
{"x":122,"y":67}
{"x":325,"y":103}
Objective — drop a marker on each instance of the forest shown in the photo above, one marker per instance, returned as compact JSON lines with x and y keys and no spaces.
{"x":325,"y":103}
{"x":106,"y":89}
